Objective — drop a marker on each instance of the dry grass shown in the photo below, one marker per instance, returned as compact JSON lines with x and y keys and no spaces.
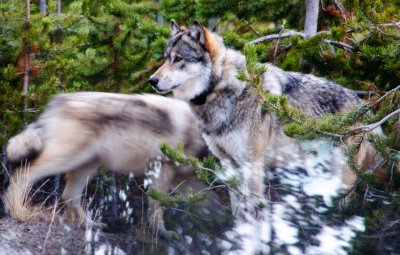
{"x":53,"y":216}
{"x":19,"y":204}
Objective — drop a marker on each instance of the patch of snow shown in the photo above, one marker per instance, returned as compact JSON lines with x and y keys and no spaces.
{"x":285,"y":232}
{"x":122,"y":195}
{"x":107,"y":249}
{"x":306,"y":190}
{"x":188,"y":239}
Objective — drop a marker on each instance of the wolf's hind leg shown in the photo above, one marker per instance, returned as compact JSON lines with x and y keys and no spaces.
{"x":76,"y":181}
{"x":50,"y":162}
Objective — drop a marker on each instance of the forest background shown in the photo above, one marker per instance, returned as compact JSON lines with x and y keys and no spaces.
{"x":85,"y":45}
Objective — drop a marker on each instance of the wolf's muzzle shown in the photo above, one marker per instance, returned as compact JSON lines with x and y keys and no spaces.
{"x":154,"y":81}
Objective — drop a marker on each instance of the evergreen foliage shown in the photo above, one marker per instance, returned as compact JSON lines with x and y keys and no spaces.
{"x":207,"y":169}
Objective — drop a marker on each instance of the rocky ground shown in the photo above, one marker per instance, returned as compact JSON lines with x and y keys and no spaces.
{"x":58,"y":238}
{"x":198,"y":229}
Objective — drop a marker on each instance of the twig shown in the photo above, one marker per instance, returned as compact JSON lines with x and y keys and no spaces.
{"x":370,"y":171}
{"x":215,"y":173}
{"x":370,"y":127}
{"x":377,"y":166}
{"x":342,"y":10}
{"x":251,"y":27}
{"x":386,"y":94}
{"x":379,"y":100}
{"x":53,"y":216}
{"x":395,"y":24}
{"x":277,"y":36}
{"x":341,"y":45}
{"x":276,"y":47}
{"x":365,"y":93}
{"x":177,"y":186}
{"x":290,"y":34}
{"x":211,"y":188}
{"x":391,"y":224}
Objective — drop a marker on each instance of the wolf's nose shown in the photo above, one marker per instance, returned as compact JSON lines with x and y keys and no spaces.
{"x":153,"y":81}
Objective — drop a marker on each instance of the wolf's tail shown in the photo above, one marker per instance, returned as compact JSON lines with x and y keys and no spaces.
{"x":27,"y":145}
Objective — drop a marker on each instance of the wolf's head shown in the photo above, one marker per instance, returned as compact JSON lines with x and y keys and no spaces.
{"x":188,"y":61}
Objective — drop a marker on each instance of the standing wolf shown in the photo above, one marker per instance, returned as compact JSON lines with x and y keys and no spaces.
{"x":199,"y":69}
{"x":79,"y":132}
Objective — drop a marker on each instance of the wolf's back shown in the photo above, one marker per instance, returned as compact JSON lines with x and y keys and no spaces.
{"x":26,"y":145}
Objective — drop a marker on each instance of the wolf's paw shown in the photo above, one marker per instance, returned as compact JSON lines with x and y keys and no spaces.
{"x":95,"y":224}
{"x":169,"y":235}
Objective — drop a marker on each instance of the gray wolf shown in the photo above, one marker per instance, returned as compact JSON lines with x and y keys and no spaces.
{"x":78,"y":132}
{"x":199,"y":69}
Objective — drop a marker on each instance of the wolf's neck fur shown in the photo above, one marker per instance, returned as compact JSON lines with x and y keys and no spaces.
{"x":227,"y":102}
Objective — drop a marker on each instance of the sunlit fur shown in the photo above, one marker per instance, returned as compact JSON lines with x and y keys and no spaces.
{"x":78,"y":132}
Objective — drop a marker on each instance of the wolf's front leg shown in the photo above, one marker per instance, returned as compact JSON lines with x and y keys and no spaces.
{"x":249,"y":197}
{"x":161,"y":176}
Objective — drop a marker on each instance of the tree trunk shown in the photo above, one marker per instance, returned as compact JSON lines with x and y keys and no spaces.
{"x":311,"y":21}
{"x":26,"y":57}
{"x":160,"y":19}
{"x":57,"y":178}
{"x":43,"y":6}
{"x":58,"y":4}
{"x":4,"y":166}
{"x":212,"y":24}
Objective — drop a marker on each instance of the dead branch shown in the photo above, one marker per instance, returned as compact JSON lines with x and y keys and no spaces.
{"x":341,"y":45}
{"x":342,"y":10}
{"x":380,"y":99}
{"x":290,"y":34}
{"x":394,"y":24}
{"x":251,"y":27}
{"x":370,"y":127}
{"x":277,"y":36}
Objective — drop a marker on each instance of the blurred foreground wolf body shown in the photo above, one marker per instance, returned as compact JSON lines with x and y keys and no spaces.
{"x":79,"y":132}
{"x":199,"y":69}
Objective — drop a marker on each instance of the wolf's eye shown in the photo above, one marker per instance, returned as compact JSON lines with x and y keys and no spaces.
{"x":177,"y":59}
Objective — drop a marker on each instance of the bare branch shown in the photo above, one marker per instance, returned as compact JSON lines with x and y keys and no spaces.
{"x":342,"y":10}
{"x":277,"y":36}
{"x":344,"y":46}
{"x":365,"y":93}
{"x":386,"y":94}
{"x":380,"y":99}
{"x":394,"y":24}
{"x":251,"y":27}
{"x":290,"y":34}
{"x":372,"y":126}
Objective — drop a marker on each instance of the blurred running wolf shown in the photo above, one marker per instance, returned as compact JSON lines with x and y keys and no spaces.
{"x":78,"y":132}
{"x":199,"y":69}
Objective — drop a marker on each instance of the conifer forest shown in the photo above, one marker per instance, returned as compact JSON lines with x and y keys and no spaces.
{"x":52,"y":47}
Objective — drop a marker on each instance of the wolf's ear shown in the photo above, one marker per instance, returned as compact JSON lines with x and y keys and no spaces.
{"x":175,"y":28}
{"x":205,"y":37}
{"x":197,"y":32}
